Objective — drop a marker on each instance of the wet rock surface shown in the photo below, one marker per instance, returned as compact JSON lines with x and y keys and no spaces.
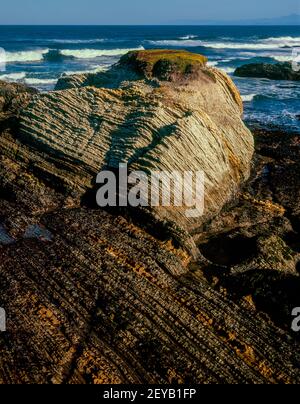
{"x":278,"y":71}
{"x":255,"y":241}
{"x":102,"y":301}
{"x":96,"y":296}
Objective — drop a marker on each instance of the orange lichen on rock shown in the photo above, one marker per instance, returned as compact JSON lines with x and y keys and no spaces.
{"x":267,"y":205}
{"x":49,"y":317}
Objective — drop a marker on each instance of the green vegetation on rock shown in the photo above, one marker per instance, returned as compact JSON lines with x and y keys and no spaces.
{"x":164,"y":64}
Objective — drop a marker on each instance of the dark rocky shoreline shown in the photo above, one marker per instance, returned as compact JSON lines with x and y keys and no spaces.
{"x":278,"y":71}
{"x":258,"y":235}
{"x":94,"y":296}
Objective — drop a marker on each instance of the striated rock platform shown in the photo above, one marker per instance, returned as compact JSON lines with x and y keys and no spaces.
{"x":95,"y":296}
{"x":155,"y":111}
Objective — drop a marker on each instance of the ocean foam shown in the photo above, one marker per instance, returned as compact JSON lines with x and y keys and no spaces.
{"x":13,"y":76}
{"x":227,"y":70}
{"x":39,"y":82}
{"x":38,"y":55}
{"x":26,"y":56}
{"x":231,"y":45}
{"x":94,"y":53}
{"x":212,"y":64}
{"x":248,"y":97}
{"x":283,"y":41}
{"x":97,"y":69}
{"x":287,"y":58}
{"x":280,"y":58}
{"x":214,"y":45}
{"x":188,"y":37}
{"x":268,"y":43}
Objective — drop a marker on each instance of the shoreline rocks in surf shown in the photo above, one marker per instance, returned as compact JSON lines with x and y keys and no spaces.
{"x":278,"y":71}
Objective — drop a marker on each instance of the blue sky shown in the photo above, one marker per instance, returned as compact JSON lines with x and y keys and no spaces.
{"x":139,"y":11}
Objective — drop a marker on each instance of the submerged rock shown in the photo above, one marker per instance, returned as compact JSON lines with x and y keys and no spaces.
{"x":279,"y":71}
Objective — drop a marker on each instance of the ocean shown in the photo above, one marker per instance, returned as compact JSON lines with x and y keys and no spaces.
{"x":39,"y":55}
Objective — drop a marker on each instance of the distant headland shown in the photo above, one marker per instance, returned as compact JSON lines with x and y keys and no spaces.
{"x":292,"y":19}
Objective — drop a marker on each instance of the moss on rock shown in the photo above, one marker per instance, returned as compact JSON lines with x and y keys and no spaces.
{"x":164,"y":64}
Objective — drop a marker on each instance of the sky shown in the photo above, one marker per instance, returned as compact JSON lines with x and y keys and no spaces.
{"x":98,"y":12}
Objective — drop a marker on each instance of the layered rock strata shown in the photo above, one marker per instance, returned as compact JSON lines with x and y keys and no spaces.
{"x":157,"y":111}
{"x":91,"y":296}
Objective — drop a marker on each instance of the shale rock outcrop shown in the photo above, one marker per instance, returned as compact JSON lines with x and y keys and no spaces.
{"x":155,"y":111}
{"x":96,"y":296}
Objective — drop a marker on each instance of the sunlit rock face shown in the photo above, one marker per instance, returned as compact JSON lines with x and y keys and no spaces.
{"x":103,"y":296}
{"x":155,"y":111}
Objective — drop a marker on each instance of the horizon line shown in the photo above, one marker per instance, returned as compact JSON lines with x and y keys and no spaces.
{"x":150,"y":25}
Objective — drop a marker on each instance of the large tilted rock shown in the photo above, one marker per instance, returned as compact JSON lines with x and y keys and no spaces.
{"x":156,"y":110}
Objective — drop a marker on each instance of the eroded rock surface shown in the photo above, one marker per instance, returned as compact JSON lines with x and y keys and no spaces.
{"x":255,"y":242}
{"x":92,"y":296}
{"x":189,"y":120}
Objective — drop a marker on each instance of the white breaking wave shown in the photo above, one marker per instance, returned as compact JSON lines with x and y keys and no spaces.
{"x":283,"y":41}
{"x":13,"y":76}
{"x":94,"y":53}
{"x":235,"y":45}
{"x":227,"y":70}
{"x":288,"y":58}
{"x":248,"y":97}
{"x":279,"y":58}
{"x":215,"y":45}
{"x":268,"y":43}
{"x":212,"y":64}
{"x":95,"y":70}
{"x":38,"y":55}
{"x":188,"y":37}
{"x":37,"y":82}
{"x":25,"y":56}
{"x":30,"y":81}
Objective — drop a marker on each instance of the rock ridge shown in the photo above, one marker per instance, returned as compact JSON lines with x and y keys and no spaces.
{"x":187,"y":123}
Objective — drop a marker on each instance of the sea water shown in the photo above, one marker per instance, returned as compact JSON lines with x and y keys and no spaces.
{"x":38,"y":56}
